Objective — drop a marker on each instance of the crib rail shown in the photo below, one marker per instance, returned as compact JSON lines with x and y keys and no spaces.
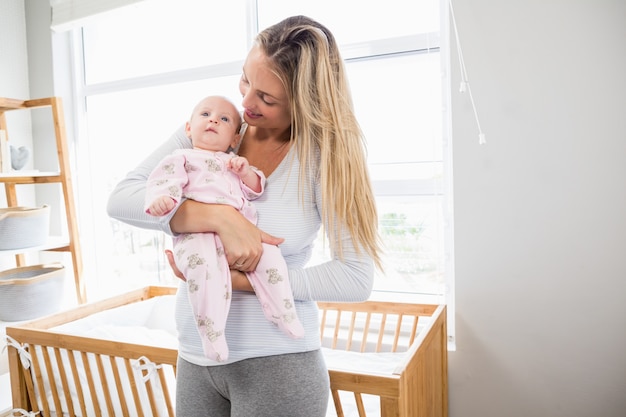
{"x":63,"y":374}
{"x":416,"y":330}
{"x":381,"y":326}
{"x":92,"y":377}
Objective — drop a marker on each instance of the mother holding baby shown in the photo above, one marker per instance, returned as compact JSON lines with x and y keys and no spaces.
{"x":301,"y":132}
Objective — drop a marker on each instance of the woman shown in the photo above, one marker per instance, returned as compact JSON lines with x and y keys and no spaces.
{"x":302,"y":133}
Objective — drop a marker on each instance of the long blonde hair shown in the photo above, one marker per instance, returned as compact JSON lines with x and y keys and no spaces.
{"x":305,"y":57}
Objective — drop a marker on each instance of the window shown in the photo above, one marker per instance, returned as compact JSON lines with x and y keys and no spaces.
{"x":135,"y":84}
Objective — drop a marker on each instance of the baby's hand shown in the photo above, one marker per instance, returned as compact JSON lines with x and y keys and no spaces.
{"x":239,"y":165}
{"x":161,"y":206}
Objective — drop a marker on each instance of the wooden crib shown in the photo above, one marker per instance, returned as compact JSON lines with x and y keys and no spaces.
{"x":84,"y":376}
{"x":417,"y":386}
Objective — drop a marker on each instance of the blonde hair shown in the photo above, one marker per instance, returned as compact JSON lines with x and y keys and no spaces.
{"x":305,"y":57}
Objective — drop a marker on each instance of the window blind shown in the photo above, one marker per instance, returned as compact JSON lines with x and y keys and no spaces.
{"x":67,"y":14}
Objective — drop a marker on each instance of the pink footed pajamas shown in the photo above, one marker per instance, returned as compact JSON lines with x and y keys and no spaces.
{"x":202,"y":176}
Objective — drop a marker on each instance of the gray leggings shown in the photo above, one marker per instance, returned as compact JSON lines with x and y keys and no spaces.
{"x":290,"y":385}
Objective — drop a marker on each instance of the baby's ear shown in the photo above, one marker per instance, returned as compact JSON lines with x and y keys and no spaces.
{"x":236,"y":139}
{"x":188,"y":129}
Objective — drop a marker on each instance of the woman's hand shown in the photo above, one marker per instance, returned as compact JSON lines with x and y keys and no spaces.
{"x":241,"y":239}
{"x":238,"y":279}
{"x":175,"y":270}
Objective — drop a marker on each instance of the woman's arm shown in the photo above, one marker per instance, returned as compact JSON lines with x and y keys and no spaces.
{"x":239,"y":280}
{"x":241,"y":238}
{"x":349,"y":279}
{"x":126,"y":202}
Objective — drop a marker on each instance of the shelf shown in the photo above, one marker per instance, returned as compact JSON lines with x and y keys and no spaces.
{"x":27,"y":173}
{"x":30,"y":177}
{"x":12,"y":179}
{"x":11,"y":104}
{"x":7,"y":104}
{"x":54,"y":243}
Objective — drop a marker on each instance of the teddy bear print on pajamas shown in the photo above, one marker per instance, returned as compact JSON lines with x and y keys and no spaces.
{"x":203,"y":176}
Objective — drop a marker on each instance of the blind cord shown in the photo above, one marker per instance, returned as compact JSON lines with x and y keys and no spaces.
{"x":465,"y":86}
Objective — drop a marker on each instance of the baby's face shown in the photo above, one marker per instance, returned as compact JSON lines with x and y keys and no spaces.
{"x":214,"y":124}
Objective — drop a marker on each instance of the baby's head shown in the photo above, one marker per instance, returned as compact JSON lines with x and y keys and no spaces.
{"x":214,"y":124}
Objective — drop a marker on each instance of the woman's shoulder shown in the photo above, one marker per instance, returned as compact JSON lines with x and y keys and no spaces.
{"x":180,"y":139}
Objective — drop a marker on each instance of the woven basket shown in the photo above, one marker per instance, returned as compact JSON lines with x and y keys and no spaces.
{"x":24,"y":227}
{"x":29,"y":292}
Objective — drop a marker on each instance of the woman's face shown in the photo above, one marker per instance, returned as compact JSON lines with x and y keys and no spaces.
{"x":265,"y":100}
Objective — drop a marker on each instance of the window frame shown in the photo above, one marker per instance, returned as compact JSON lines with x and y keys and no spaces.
{"x":428,"y":42}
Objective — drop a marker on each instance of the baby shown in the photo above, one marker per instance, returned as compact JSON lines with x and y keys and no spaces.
{"x":211,"y":174}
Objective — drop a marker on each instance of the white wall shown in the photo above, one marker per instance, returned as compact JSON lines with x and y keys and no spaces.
{"x":540,"y":210}
{"x":13,"y":51}
{"x":14,"y":83}
{"x":42,"y":85}
{"x":26,"y":73}
{"x":14,"y":71}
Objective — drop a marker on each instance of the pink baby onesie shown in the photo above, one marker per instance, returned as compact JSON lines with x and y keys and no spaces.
{"x":203,"y":176}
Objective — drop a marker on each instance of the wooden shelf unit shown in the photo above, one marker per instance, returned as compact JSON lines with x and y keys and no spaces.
{"x":12,"y":179}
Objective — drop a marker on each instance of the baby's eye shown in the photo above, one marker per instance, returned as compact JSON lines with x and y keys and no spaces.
{"x":225,"y":119}
{"x":205,"y":114}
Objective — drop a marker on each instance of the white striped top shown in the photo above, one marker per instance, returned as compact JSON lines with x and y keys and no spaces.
{"x":280,"y":213}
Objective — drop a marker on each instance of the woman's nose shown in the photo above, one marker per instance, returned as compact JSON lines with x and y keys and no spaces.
{"x":246,"y":100}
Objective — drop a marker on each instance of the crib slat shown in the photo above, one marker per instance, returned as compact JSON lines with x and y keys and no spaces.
{"x":366,"y":330}
{"x":30,"y":388}
{"x":414,"y":330}
{"x":64,"y":382}
{"x":53,"y":385}
{"x":337,"y":402}
{"x":30,"y":383}
{"x":396,"y":335}
{"x":106,"y":392}
{"x":336,"y":329}
{"x":381,"y":333}
{"x":90,"y":383}
{"x":358,"y":399}
{"x":39,"y":378}
{"x":118,"y":385}
{"x":37,"y":381}
{"x":133,"y":386}
{"x":150,"y":392}
{"x":77,"y":383}
{"x":350,"y":336}
{"x":166,"y":393}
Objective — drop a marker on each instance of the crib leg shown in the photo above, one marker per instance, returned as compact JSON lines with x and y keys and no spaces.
{"x":389,"y":407}
{"x":21,"y":382}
